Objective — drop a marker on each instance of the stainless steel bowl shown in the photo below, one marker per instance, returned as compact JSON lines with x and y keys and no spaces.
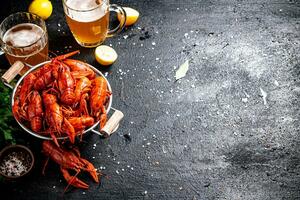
{"x":92,"y":128}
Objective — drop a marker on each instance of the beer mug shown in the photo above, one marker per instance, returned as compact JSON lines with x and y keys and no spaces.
{"x":23,"y":37}
{"x":88,"y":20}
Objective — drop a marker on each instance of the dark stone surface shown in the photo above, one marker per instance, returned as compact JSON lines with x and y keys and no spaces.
{"x":208,"y":135}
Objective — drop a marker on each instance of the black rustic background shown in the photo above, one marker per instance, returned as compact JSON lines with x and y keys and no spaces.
{"x":209,"y":135}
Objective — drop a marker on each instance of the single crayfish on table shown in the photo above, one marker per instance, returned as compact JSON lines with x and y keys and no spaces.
{"x":69,"y":160}
{"x":61,"y":98}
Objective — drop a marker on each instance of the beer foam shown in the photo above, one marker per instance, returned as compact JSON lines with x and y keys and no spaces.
{"x":86,"y":15}
{"x":23,"y":35}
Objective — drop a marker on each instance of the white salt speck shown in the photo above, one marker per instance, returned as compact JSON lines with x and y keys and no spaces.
{"x":167,"y":112}
{"x":193,"y":86}
{"x":154,"y":136}
{"x":152,"y":48}
{"x":95,"y":145}
{"x":152,"y":175}
{"x":148,"y":157}
{"x":108,"y":156}
{"x":114,"y":159}
{"x":58,"y":25}
{"x":178,"y":115}
{"x":131,"y":168}
{"x":185,"y":146}
{"x":153,"y":43}
{"x":156,"y":59}
{"x":93,"y":157}
{"x":180,"y":188}
{"x":177,"y":8}
{"x":54,"y":187}
{"x":186,"y":34}
{"x":245,"y":100}
{"x":184,"y":20}
{"x":125,"y":37}
{"x":148,"y":143}
{"x":157,"y":79}
{"x":118,"y":162}
{"x":58,"y":30}
{"x":264,"y":96}
{"x":144,"y":139}
{"x":133,"y":43}
{"x":139,"y":28}
{"x":276,"y":83}
{"x":131,"y":122}
{"x":163,"y":149}
{"x":142,"y":45}
{"x":83,"y":192}
{"x":128,"y":166}
{"x":143,"y":146}
{"x":145,"y":192}
{"x":117,"y":171}
{"x":123,"y":169}
{"x":110,"y":45}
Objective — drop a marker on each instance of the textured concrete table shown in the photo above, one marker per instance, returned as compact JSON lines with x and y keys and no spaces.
{"x":228,"y":130}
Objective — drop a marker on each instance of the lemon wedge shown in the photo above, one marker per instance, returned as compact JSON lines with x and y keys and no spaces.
{"x":105,"y":55}
{"x":132,"y":16}
{"x":42,"y":8}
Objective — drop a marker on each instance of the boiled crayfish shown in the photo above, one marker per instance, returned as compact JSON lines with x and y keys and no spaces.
{"x":69,"y":159}
{"x":61,"y":98}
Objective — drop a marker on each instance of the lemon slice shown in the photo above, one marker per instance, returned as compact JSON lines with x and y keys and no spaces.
{"x":105,"y":55}
{"x":42,"y":8}
{"x":132,"y":16}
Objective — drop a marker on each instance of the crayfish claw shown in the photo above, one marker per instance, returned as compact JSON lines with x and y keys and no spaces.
{"x":73,"y":180}
{"x":91,"y":169}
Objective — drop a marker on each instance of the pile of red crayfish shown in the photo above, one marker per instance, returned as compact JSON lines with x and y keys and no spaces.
{"x":61,"y":98}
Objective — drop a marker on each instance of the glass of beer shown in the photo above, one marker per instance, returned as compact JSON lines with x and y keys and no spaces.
{"x":23,"y":37}
{"x":88,"y":20}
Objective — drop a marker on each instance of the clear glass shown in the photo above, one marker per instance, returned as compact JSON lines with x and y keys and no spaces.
{"x":89,"y":20}
{"x":23,"y":37}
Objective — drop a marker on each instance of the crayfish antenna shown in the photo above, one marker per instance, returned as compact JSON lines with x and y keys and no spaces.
{"x":54,"y":138}
{"x":45,"y":165}
{"x":69,"y":129}
{"x":103,"y":117}
{"x":62,"y":57}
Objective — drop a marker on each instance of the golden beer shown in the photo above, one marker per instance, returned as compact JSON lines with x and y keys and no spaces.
{"x":88,"y":21}
{"x":28,"y":43}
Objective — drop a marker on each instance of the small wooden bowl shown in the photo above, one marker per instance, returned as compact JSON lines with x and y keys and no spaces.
{"x":16,"y":161}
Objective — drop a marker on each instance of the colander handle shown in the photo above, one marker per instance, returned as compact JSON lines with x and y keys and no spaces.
{"x":12,"y":72}
{"x":111,"y":125}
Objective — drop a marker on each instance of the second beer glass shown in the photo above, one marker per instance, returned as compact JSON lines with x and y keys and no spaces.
{"x":88,"y":20}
